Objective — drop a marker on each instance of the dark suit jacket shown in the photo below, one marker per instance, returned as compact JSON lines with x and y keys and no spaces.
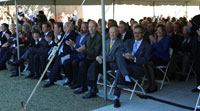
{"x":143,"y":54}
{"x":175,"y":42}
{"x":44,"y":46}
{"x":186,"y":46}
{"x":3,"y":39}
{"x":93,"y":46}
{"x":195,"y":48}
{"x":67,"y":49}
{"x":78,"y":45}
{"x":128,"y":35}
{"x":62,"y":35}
{"x":132,"y":67}
{"x":112,"y":54}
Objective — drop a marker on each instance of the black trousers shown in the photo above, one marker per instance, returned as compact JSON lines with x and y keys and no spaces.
{"x":83,"y":69}
{"x":55,"y":70}
{"x":126,"y":67}
{"x":96,"y":68}
{"x":75,"y":70}
{"x":5,"y":55}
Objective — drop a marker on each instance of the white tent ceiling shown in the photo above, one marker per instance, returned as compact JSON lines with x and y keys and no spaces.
{"x":107,"y":2}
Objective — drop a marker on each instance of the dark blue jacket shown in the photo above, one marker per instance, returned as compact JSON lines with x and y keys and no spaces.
{"x":161,"y":49}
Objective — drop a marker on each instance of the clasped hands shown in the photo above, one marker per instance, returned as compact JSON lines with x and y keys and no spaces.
{"x":129,"y":56}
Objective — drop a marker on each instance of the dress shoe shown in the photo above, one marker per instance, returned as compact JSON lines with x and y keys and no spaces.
{"x":45,"y":77}
{"x":116,"y":103}
{"x":30,"y":75}
{"x":81,"y":90}
{"x":151,"y":90}
{"x":195,"y":90}
{"x":74,"y":86}
{"x":89,"y":95}
{"x":17,"y":62}
{"x":48,"y":84}
{"x":67,"y":83}
{"x":36,"y":77}
{"x":72,"y":83}
{"x":14,"y":74}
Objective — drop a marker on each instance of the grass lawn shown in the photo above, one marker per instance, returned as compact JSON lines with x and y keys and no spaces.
{"x":56,"y":98}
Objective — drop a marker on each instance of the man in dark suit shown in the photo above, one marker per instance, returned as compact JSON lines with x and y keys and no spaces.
{"x":63,"y":52}
{"x":92,"y":49}
{"x":130,"y":62}
{"x":113,"y":46}
{"x":45,"y":42}
{"x":76,"y":56}
{"x":124,"y":31}
{"x":4,"y":30}
{"x":194,"y":31}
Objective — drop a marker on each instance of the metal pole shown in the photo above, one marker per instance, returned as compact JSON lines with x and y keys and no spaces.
{"x":154,"y":9}
{"x":55,"y":10}
{"x":104,"y":49}
{"x":186,"y":10}
{"x":113,"y":9}
{"x":17,"y":32}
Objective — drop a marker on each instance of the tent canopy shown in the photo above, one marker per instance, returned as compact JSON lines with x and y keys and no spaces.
{"x":107,"y":2}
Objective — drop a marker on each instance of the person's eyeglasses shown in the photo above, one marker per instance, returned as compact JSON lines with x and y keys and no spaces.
{"x":136,"y":33}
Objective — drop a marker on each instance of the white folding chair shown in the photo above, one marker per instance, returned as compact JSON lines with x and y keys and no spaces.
{"x":164,"y":70}
{"x":132,"y":90}
{"x":110,"y":83}
{"x":190,"y":70}
{"x":197,"y":106}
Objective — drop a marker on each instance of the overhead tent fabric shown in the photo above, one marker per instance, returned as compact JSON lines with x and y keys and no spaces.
{"x":107,"y":2}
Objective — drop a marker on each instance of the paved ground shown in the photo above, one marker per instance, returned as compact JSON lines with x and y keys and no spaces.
{"x":175,"y":92}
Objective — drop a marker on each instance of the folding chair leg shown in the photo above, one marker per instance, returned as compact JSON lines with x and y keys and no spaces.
{"x":197,"y":106}
{"x":99,"y":77}
{"x":132,"y":92}
{"x":143,"y":79}
{"x":111,"y":88}
{"x":189,"y":73}
{"x":26,"y":67}
{"x":163,"y":81}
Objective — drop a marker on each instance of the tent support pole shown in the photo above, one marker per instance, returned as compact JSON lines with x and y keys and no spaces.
{"x":104,"y":49}
{"x":113,"y":9}
{"x":54,"y":1}
{"x":186,"y":10}
{"x":17,"y":32}
{"x":154,"y":14}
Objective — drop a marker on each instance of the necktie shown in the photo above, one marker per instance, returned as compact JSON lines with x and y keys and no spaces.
{"x":134,"y":48}
{"x":111,"y":44}
{"x":61,"y":47}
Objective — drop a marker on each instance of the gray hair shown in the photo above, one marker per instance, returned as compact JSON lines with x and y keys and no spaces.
{"x":27,"y":28}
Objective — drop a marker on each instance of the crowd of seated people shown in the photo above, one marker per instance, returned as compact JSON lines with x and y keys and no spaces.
{"x":131,"y":51}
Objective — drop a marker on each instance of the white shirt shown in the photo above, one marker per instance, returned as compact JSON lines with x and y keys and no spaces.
{"x":123,"y":36}
{"x":138,"y":45}
{"x":186,"y":40}
{"x":3,"y":33}
{"x":46,"y":34}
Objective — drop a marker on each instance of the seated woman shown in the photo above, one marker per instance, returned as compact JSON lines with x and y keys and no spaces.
{"x":160,"y":56}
